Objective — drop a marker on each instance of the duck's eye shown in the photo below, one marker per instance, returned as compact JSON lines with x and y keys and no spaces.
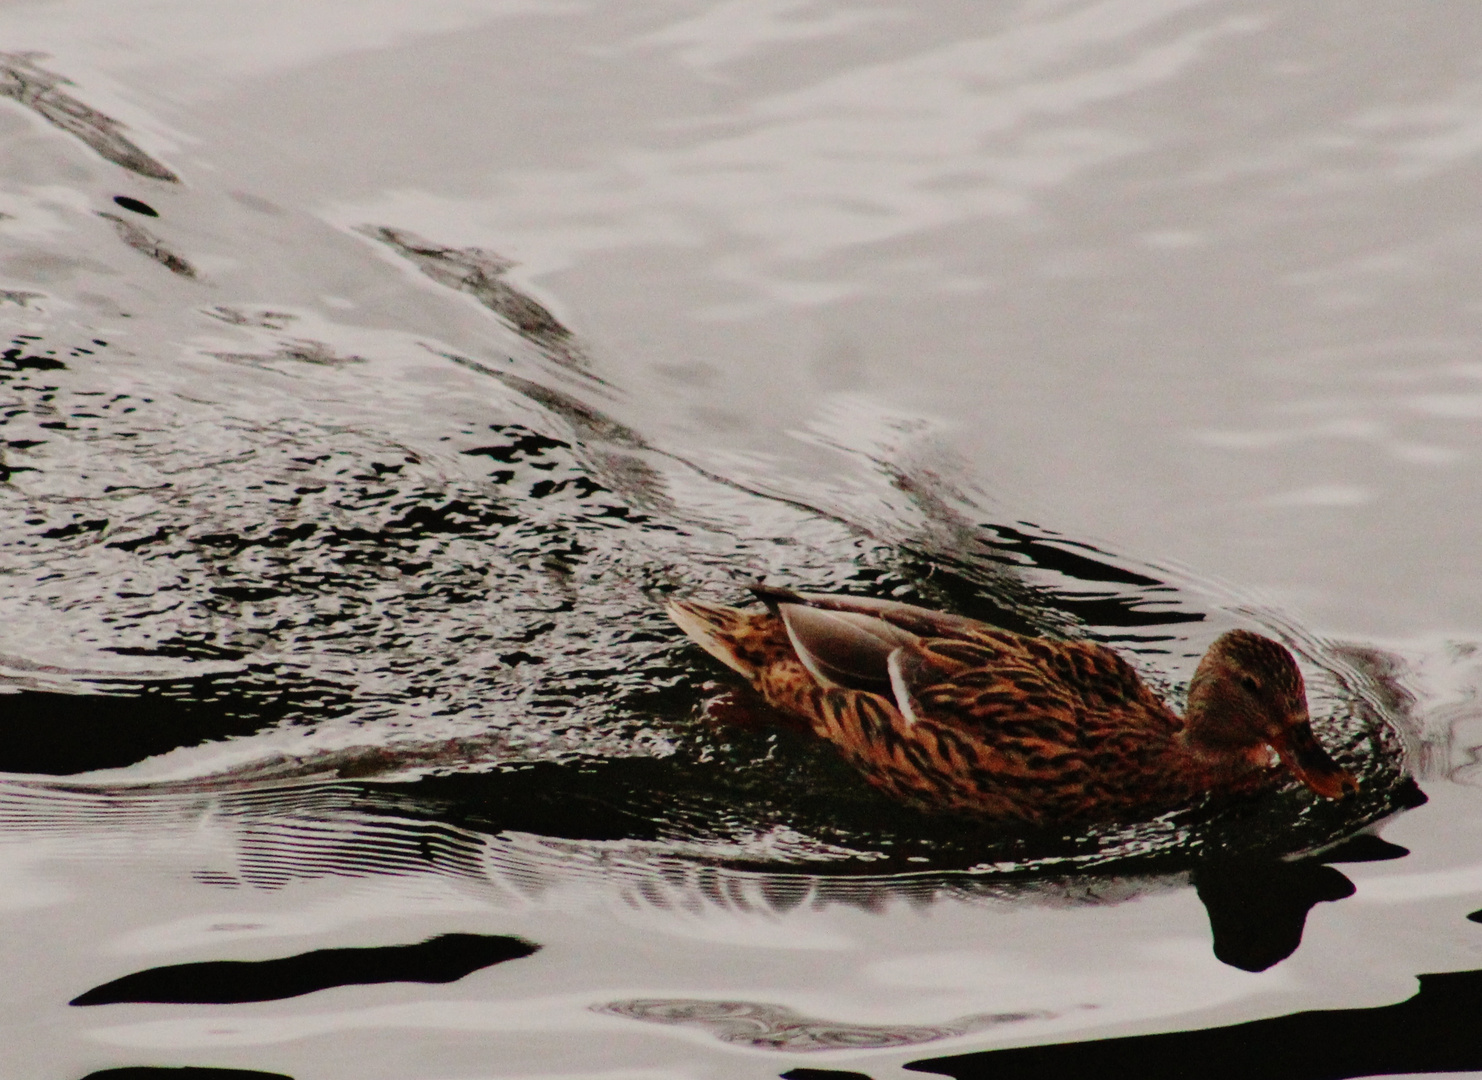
{"x":1250,"y":684}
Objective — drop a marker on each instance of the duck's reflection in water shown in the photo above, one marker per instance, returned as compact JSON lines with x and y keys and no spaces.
{"x":1257,"y":911}
{"x":1258,"y":907}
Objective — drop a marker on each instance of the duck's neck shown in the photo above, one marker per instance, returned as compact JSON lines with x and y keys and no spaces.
{"x":1207,"y":739}
{"x":1218,"y":760}
{"x":1199,"y":736}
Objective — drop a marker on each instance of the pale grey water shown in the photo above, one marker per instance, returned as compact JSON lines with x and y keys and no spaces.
{"x":1194,"y":282}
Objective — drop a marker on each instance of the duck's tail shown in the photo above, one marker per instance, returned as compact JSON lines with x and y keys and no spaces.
{"x":744,"y":641}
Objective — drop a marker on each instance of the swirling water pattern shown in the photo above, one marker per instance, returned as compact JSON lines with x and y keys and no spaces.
{"x":340,"y":556}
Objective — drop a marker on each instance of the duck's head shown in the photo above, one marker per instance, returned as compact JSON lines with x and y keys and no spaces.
{"x":1247,"y":695}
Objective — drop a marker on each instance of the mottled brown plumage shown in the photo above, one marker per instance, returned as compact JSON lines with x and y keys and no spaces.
{"x":950,"y":714}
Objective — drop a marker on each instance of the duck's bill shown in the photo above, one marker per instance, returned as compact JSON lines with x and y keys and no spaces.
{"x":1303,"y":754}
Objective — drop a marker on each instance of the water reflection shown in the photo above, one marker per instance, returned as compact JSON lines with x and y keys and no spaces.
{"x":25,"y":81}
{"x":774,"y":1027}
{"x":151,"y":246}
{"x":268,"y":541}
{"x":1433,"y":1032}
{"x":445,"y":958}
{"x":480,"y":274}
{"x":1258,"y":907}
{"x":618,"y":848}
{"x":181,"y":1072}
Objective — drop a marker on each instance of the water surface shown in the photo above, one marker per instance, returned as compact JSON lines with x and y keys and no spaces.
{"x":373,"y":375}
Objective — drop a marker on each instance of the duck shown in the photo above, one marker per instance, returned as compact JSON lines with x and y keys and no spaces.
{"x":948,"y":714}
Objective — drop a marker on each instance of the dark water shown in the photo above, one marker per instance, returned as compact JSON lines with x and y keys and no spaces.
{"x":344,"y":734}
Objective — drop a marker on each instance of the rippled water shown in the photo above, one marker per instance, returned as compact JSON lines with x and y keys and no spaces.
{"x":373,"y":376}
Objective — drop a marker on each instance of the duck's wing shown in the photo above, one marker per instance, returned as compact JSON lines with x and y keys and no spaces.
{"x":844,"y":649}
{"x":977,"y":683}
{"x":920,"y":621}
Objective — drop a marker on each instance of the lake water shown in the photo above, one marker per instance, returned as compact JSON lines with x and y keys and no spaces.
{"x":375,"y":370}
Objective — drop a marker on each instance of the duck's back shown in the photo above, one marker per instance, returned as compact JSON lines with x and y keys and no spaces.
{"x":1044,"y":730}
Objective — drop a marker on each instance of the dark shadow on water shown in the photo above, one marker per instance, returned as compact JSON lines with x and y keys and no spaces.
{"x":165,"y":1072}
{"x":806,"y":788}
{"x":823,"y":1074}
{"x":443,"y":959}
{"x":1437,"y":1030}
{"x":1257,"y":910}
{"x":60,"y":734}
{"x":1366,"y":847}
{"x":138,"y":206}
{"x":1258,"y":907}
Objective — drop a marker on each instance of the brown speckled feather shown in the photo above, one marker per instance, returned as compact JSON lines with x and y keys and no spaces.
{"x":973,"y":719}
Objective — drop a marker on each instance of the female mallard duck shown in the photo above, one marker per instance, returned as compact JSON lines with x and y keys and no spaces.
{"x":948,"y":713}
